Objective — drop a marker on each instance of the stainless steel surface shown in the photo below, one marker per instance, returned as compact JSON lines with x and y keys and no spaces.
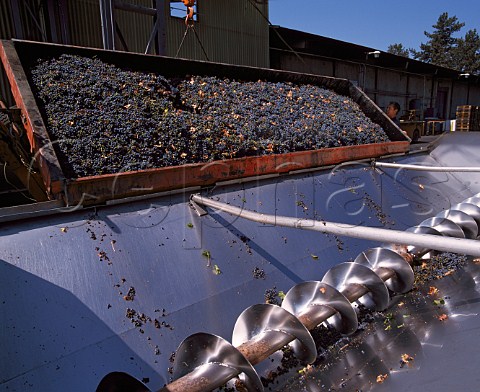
{"x":418,"y":352}
{"x":213,"y":358}
{"x":470,"y":209}
{"x":378,"y":257}
{"x":62,"y":301}
{"x":473,"y":200}
{"x":305,"y":296}
{"x":344,"y":274}
{"x":259,"y":335}
{"x":418,"y":251}
{"x":459,"y":149}
{"x":273,"y":323}
{"x":8,"y":214}
{"x":463,"y":220}
{"x":444,"y":226}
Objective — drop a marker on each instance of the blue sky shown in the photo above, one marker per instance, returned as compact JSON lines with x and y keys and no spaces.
{"x":373,"y":23}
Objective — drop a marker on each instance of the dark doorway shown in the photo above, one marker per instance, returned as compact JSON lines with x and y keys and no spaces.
{"x":441,"y":102}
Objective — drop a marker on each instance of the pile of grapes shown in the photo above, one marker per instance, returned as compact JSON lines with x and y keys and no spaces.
{"x":438,"y":266}
{"x":104,"y":119}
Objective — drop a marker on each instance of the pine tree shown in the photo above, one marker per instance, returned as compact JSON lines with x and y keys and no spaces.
{"x":399,"y":50}
{"x":467,"y":53}
{"x":440,"y":48}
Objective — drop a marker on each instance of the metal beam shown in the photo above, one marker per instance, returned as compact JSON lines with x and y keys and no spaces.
{"x":161,"y":40}
{"x":108,"y":24}
{"x":52,"y":20}
{"x":153,"y":34}
{"x":135,"y":8}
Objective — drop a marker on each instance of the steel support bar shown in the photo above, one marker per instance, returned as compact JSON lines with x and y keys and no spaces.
{"x":161,"y":41}
{"x":153,"y":34}
{"x":108,"y":24}
{"x":261,"y":347}
{"x":121,"y":5}
{"x":440,"y":243}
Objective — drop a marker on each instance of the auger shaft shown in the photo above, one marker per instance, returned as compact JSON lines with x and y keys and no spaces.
{"x":263,"y":345}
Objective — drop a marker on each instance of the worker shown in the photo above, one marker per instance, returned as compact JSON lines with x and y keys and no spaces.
{"x":190,"y":10}
{"x":392,"y":110}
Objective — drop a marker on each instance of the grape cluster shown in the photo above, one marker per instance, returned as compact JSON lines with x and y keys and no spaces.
{"x":272,"y":297}
{"x":259,"y":273}
{"x":439,"y":266}
{"x":104,"y":119}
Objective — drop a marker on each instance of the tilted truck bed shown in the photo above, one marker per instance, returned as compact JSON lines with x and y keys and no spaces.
{"x":19,"y":57}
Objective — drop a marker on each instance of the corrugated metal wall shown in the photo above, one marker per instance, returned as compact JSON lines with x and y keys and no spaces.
{"x":383,"y":85}
{"x":32,"y":27}
{"x":31,"y":14}
{"x":6,"y":23}
{"x":236,"y":34}
{"x":84,"y":23}
{"x":86,"y":27}
{"x":135,"y":28}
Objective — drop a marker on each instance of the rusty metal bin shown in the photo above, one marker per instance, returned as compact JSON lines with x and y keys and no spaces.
{"x":19,"y":57}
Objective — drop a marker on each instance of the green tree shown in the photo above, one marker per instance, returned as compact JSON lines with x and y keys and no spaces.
{"x":440,"y":47}
{"x":399,"y":50}
{"x":467,"y":53}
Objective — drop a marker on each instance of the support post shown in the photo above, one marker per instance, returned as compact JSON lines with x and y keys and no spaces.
{"x":161,"y":41}
{"x":108,"y":24}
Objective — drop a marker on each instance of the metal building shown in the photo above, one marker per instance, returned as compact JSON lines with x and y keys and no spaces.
{"x":433,"y":92}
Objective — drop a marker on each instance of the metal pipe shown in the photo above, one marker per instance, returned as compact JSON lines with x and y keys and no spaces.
{"x":428,"y":168}
{"x":107,"y":21}
{"x":444,"y":244}
{"x":265,"y":344}
{"x":261,"y":346}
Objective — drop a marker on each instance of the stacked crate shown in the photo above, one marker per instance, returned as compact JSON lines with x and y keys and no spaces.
{"x":468,"y":118}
